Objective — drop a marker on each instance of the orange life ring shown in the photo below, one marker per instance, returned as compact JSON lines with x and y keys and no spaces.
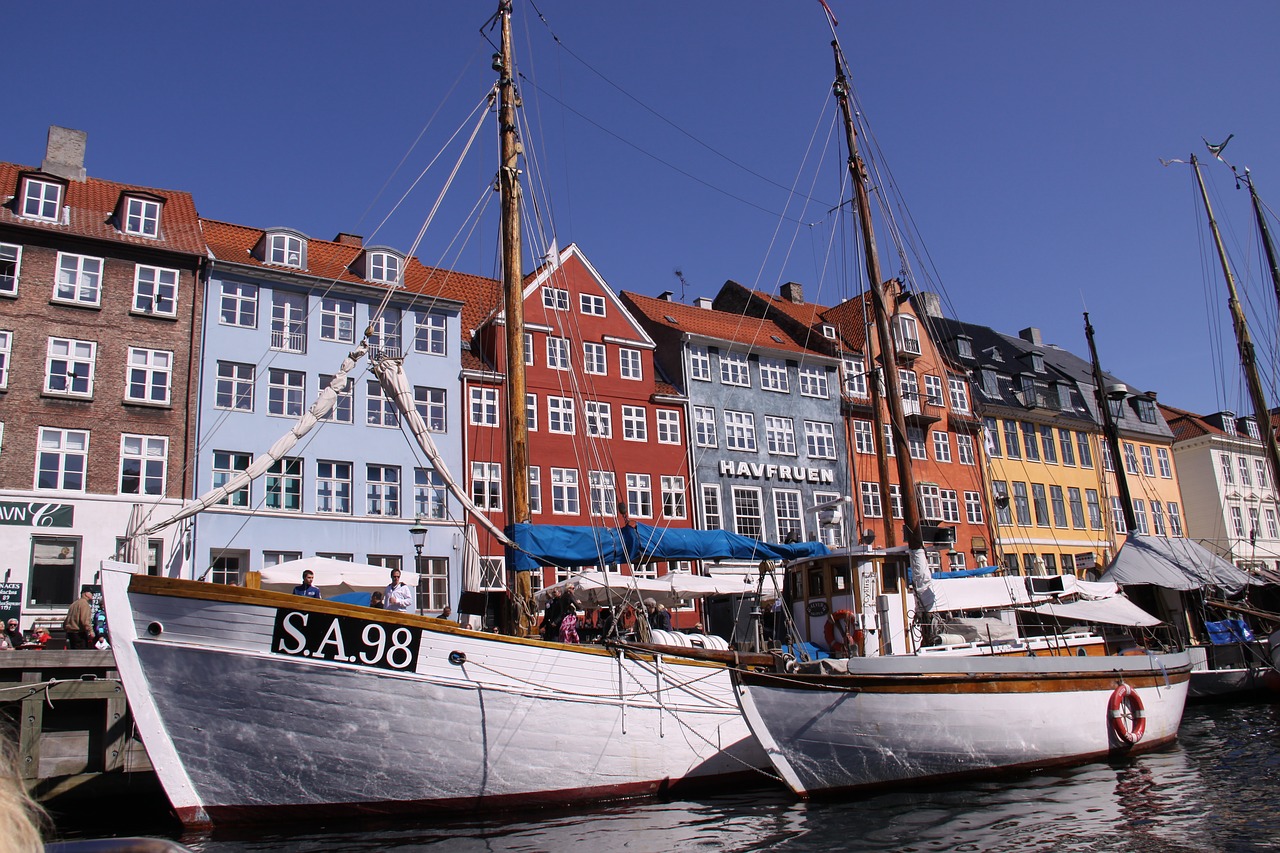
{"x":1120,"y":697}
{"x":628,"y":618}
{"x":838,"y":643}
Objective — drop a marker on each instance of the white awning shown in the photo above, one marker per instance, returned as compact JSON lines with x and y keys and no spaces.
{"x":1110,"y":611}
{"x":332,"y":576}
{"x":597,"y":589}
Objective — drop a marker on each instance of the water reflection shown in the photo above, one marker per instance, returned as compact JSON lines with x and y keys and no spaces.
{"x":1213,"y":791}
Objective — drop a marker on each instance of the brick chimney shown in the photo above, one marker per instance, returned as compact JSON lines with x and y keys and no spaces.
{"x":1032,"y":336}
{"x":346,"y":239}
{"x":928,"y":304}
{"x":64,"y":153}
{"x":792,"y":292}
{"x":703,"y":302}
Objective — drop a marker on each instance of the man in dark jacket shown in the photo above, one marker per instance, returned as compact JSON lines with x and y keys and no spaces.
{"x":79,"y":622}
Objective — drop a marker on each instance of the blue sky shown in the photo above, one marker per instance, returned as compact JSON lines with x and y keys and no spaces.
{"x":1024,"y":137}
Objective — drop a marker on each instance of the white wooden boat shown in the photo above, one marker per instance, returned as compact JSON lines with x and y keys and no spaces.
{"x":257,"y":705}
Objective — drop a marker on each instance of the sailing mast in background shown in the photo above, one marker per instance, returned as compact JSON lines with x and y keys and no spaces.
{"x":1248,"y":357}
{"x":888,"y":354}
{"x":1110,"y":431}
{"x":513,"y":302}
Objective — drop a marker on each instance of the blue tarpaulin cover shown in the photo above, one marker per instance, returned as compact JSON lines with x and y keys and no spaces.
{"x":1228,"y":631}
{"x":566,"y":546}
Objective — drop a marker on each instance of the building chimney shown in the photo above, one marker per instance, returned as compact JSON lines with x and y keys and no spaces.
{"x":929,"y":304}
{"x":64,"y":153}
{"x":793,"y":293}
{"x":703,"y":302}
{"x":665,"y":296}
{"x":349,"y":239}
{"x":1032,"y":336}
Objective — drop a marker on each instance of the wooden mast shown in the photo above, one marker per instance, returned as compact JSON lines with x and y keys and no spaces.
{"x":1110,"y":431}
{"x":1244,"y":344}
{"x":880,"y":309}
{"x":513,"y":297}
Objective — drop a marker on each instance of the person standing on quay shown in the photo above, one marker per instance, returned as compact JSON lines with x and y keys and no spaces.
{"x":305,"y":588}
{"x":399,"y":596}
{"x":79,"y":622}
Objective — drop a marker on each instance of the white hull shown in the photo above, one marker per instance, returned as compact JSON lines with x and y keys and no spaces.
{"x":897,"y":720}
{"x":238,"y":729}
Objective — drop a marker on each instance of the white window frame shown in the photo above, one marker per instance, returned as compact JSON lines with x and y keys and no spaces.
{"x":674,"y":497}
{"x":557,"y":353}
{"x":283,"y":484}
{"x":820,"y":439}
{"x":6,"y":355}
{"x":384,"y":267}
{"x":560,"y":415}
{"x":484,"y":406}
{"x":739,"y":431}
{"x":55,"y":450}
{"x":773,"y":375}
{"x":635,"y":423}
{"x":813,"y":382}
{"x":289,"y":321}
{"x":704,"y":427}
{"x":382,"y":490}
{"x":238,"y":300}
{"x":745,"y":523}
{"x":565,"y":499}
{"x":333,"y":487}
{"x":42,"y":199}
{"x":941,"y":445}
{"x":973,"y":511}
{"x":155,"y":291}
{"x":780,"y":435}
{"x":380,"y":409}
{"x":486,"y":485}
{"x":337,"y":320}
{"x":430,"y":494}
{"x":75,"y":362}
{"x":864,"y":437}
{"x":286,"y":392}
{"x":700,"y":364}
{"x":10,"y":268}
{"x":603,"y":493}
{"x":595,"y":358}
{"x":712,"y":508}
{"x":597,"y":418}
{"x":152,"y":370}
{"x":789,"y":511}
{"x":150,"y":453}
{"x":965,"y":450}
{"x":735,"y":369}
{"x":668,"y":425}
{"x":933,"y":390}
{"x":639,"y":495}
{"x":432,"y":405}
{"x":79,"y":280}
{"x":142,"y":216}
{"x":343,"y":411}
{"x":591,"y":304}
{"x":431,"y":333}
{"x":872,"y":505}
{"x":959,"y":394}
{"x":855,"y":377}
{"x":555,"y":298}
{"x":223,"y":469}
{"x":286,"y":250}
{"x":630,"y":366}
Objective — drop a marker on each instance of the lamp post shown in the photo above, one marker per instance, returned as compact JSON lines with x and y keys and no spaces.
{"x":419,"y":535}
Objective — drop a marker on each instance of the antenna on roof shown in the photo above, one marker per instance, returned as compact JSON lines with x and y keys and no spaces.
{"x":683,"y":284}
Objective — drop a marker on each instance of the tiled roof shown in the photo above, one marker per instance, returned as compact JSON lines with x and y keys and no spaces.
{"x":91,"y":205}
{"x":334,"y":261}
{"x":720,"y":325}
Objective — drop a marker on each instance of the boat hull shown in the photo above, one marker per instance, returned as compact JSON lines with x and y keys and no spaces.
{"x":246,"y":717}
{"x":905,"y":720}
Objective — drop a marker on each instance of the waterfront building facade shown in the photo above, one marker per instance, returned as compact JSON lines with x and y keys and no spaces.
{"x":282,"y":311}
{"x":99,"y":307}
{"x":766,"y":442}
{"x":1232,"y":504}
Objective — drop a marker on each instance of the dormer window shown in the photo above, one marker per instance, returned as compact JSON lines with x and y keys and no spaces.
{"x":1228,"y":422}
{"x":1147,"y":410}
{"x":964,"y":347}
{"x":1037,"y":362}
{"x":1251,"y":427}
{"x":288,"y":250}
{"x":829,"y":331}
{"x":906,"y":334}
{"x":41,"y":199}
{"x":384,"y":267}
{"x":142,"y":216}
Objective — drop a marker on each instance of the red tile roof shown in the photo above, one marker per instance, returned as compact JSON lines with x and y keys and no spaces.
{"x":749,"y":331}
{"x":91,"y":205}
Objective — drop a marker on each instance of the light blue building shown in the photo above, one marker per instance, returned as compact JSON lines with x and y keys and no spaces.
{"x":281,"y":311}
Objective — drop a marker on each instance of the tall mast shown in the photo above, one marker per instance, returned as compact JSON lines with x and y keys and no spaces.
{"x":1244,"y":344}
{"x":512,"y":278}
{"x":881,"y":312}
{"x":1110,"y":431}
{"x":1267,"y":243}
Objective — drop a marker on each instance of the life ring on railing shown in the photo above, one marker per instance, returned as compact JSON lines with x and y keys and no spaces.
{"x":628,"y":618}
{"x":841,"y":633}
{"x":1123,"y":696}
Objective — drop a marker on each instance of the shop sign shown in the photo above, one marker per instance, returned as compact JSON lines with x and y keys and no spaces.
{"x":33,"y":514}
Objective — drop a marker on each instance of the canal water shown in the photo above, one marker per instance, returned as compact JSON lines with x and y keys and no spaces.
{"x":1218,"y":789}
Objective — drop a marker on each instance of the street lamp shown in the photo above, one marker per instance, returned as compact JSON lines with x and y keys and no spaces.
{"x":419,"y":534}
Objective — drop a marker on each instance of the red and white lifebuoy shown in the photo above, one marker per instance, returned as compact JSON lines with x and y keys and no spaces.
{"x":1126,"y":704}
{"x":840,"y":632}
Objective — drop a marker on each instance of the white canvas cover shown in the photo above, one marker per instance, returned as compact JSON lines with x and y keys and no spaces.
{"x":987,"y":593}
{"x":334,"y":577}
{"x":1111,"y":611}
{"x":1179,"y":564}
{"x":597,"y":589}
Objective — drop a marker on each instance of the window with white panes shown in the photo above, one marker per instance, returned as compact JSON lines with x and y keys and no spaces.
{"x":380,"y":409}
{"x":288,"y":322}
{"x":704,"y":426}
{"x":629,"y":365}
{"x":959,"y":394}
{"x":155,"y":291}
{"x":1021,"y":503}
{"x":1228,"y":476}
{"x":1050,"y":447}
{"x":855,"y":377}
{"x":591,"y":303}
{"x":343,"y":401}
{"x":1082,"y":446}
{"x":1245,"y":478}
{"x":1130,"y":458}
{"x":535,"y":489}
{"x":150,"y":376}
{"x":430,"y":494}
{"x":143,"y":461}
{"x":594,"y":358}
{"x":1260,"y":469}
{"x":734,"y":369}
{"x":79,"y":280}
{"x":887,"y":437}
{"x":773,"y":375}
{"x":1076,"y":504}
{"x":973,"y":507}
{"x":1148,"y":464}
{"x":431,"y":333}
{"x":486,"y":485}
{"x":787,"y":515}
{"x":564,"y":491}
{"x":1040,"y":502}
{"x":382,"y":490}
{"x":1012,"y":441}
{"x":930,"y":501}
{"x":531,"y":412}
{"x":820,"y":440}
{"x":1064,"y":444}
{"x":779,"y":434}
{"x":699,"y":364}
{"x":1175,"y":519}
{"x":711,"y":517}
{"x":387,"y":328}
{"x":333,"y":487}
{"x":673,"y":497}
{"x":864,"y":437}
{"x":871,"y":505}
{"x":915,"y":443}
{"x":1117,"y":516}
{"x":909,"y":387}
{"x":813,"y":382}
{"x":384,"y":267}
{"x":285,"y":392}
{"x":432,"y":406}
{"x":41,"y":199}
{"x":284,"y":485}
{"x":640,"y":495}
{"x":739,"y":430}
{"x":142,"y":217}
{"x":635,"y":424}
{"x":337,"y":320}
{"x":226,"y":465}
{"x":1058,"y":503}
{"x":6,"y":353}
{"x":668,"y":422}
{"x":1273,"y":530}
{"x":604,"y":492}
{"x":1031,"y":441}
{"x":484,"y":406}
{"x":950,"y":505}
{"x":555,"y":298}
{"x":1095,"y":508}
{"x":748,"y":517}
{"x":941,"y":446}
{"x":557,"y":353}
{"x":560,"y":415}
{"x":10,"y":266}
{"x":1157,"y":518}
{"x":598,"y":418}
{"x":62,"y":457}
{"x":965,"y":449}
{"x":1000,"y":493}
{"x":238,"y":305}
{"x":933,"y":390}
{"x":286,"y":250}
{"x":69,"y":367}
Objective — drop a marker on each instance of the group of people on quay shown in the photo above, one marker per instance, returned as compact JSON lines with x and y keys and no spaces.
{"x":396,"y":597}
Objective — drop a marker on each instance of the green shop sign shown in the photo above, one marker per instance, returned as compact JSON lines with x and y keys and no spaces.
{"x":35,"y":514}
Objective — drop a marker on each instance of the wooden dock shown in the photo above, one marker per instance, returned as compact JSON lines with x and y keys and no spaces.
{"x":67,"y":713}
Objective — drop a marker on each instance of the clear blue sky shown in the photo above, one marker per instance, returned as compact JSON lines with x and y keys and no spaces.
{"x":1025,"y":138}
